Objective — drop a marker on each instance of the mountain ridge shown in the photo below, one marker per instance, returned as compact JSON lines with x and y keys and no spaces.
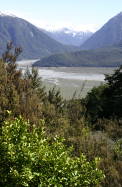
{"x":35,"y":43}
{"x":109,"y":34}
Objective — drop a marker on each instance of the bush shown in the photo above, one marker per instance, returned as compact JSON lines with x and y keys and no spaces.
{"x":105,"y":101}
{"x":29,"y":158}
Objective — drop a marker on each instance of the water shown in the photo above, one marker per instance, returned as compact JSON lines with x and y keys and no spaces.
{"x":71,"y":79}
{"x":61,"y":73}
{"x":25,"y":63}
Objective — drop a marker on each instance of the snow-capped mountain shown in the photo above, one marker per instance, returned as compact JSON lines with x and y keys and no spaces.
{"x":6,"y":14}
{"x":69,"y":37}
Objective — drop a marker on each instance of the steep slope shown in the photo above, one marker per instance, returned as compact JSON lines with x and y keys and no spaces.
{"x":104,"y":57}
{"x":109,"y":34}
{"x":69,"y":37}
{"x":34,"y":42}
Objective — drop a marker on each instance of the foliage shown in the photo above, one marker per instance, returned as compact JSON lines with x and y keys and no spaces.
{"x":93,"y":126}
{"x":19,"y":94}
{"x":29,"y":158}
{"x":114,"y":93}
{"x":94,"y":103}
{"x":106,"y":101}
{"x":54,"y":97}
{"x":118,"y":148}
{"x":10,"y":81}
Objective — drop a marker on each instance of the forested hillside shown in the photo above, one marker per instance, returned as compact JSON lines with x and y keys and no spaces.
{"x":104,"y":57}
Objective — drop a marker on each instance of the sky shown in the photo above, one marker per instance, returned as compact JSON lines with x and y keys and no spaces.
{"x":56,"y":14}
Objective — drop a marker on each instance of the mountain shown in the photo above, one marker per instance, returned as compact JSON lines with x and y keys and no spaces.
{"x":69,"y":37}
{"x":108,"y":35}
{"x":35,"y":43}
{"x":102,"y":49}
{"x":104,"y":57}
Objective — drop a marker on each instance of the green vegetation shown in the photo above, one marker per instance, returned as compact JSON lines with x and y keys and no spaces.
{"x":106,"y":101}
{"x":104,"y":57}
{"x":31,"y":156}
{"x":32,"y":159}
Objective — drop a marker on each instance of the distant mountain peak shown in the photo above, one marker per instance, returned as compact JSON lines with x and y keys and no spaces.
{"x":120,"y":14}
{"x":69,"y":36}
{"x":68,"y":30}
{"x":6,"y":14}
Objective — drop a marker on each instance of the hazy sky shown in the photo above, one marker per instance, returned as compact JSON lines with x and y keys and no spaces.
{"x":78,"y":14}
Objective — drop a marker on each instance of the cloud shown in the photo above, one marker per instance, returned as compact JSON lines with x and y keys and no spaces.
{"x":44,"y":24}
{"x":57,"y":26}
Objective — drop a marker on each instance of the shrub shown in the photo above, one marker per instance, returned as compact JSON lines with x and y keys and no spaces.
{"x":106,"y":101}
{"x":29,"y":158}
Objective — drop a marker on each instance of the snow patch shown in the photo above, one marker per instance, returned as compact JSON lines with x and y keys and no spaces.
{"x":6,"y":14}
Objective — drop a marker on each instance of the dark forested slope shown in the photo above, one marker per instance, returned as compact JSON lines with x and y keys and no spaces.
{"x":101,"y":57}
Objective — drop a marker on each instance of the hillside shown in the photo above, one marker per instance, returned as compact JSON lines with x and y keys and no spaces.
{"x":35,"y":43}
{"x":104,"y":57}
{"x":109,"y":34}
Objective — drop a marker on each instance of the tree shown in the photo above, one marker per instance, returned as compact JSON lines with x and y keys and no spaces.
{"x":9,"y":81}
{"x":18,"y":93}
{"x":113,"y":93}
{"x":106,"y":101}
